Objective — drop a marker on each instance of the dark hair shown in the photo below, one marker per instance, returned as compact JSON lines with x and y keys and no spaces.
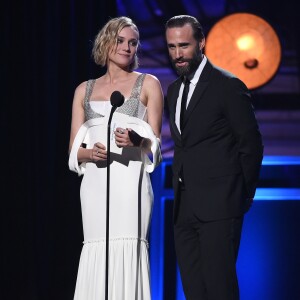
{"x":181,"y":20}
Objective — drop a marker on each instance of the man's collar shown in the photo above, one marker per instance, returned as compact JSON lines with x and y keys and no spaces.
{"x":194,"y":79}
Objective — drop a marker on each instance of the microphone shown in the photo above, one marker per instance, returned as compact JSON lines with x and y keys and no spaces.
{"x":116,"y":100}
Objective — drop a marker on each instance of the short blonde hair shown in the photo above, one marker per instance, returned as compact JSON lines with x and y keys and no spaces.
{"x":107,"y":38}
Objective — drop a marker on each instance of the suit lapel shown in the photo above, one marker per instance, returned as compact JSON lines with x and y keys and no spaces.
{"x":196,"y":97}
{"x":173,"y":101}
{"x":199,"y":90}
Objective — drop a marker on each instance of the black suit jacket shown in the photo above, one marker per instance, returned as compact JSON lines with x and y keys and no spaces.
{"x":220,"y":150}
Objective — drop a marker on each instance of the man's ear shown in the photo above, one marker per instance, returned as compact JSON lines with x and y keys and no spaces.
{"x":202,"y":44}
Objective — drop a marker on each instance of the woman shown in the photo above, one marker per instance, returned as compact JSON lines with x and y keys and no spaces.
{"x":135,"y":151}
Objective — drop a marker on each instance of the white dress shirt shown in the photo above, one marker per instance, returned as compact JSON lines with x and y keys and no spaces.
{"x":193,"y":83}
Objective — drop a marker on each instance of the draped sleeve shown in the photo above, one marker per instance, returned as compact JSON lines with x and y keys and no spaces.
{"x":86,"y":132}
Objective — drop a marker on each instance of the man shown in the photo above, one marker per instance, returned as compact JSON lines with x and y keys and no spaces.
{"x":217,"y":157}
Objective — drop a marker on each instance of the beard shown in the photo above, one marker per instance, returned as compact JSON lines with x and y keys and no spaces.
{"x":192,"y":64}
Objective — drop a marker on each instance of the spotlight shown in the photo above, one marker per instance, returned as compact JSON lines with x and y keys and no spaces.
{"x":247,"y":46}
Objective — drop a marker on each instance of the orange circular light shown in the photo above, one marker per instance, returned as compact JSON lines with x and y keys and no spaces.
{"x":245,"y":45}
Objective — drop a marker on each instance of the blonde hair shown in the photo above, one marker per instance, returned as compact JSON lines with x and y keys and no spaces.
{"x":107,"y":38}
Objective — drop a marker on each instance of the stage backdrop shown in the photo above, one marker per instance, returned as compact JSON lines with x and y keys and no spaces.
{"x":47,"y":53}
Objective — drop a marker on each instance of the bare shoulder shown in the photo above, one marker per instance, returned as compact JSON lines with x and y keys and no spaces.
{"x":152,"y":90}
{"x":151,"y":80}
{"x":80,"y":89}
{"x":79,"y":93}
{"x":152,"y":84}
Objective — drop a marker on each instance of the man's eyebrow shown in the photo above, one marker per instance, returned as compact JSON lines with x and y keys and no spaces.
{"x":179,"y":44}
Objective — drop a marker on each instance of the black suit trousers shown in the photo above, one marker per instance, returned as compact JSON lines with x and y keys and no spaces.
{"x":206,"y":253}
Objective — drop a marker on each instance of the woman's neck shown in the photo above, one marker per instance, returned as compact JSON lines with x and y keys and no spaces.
{"x":115,"y":74}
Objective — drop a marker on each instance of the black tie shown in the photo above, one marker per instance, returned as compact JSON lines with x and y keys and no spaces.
{"x":183,"y":101}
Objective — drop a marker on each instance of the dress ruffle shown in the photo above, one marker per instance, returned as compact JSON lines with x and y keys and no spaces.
{"x":129,"y":270}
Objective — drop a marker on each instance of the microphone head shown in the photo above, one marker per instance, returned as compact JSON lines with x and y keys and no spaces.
{"x":116,"y":99}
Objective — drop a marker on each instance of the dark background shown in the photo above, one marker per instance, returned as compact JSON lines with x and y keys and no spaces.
{"x":46,"y":47}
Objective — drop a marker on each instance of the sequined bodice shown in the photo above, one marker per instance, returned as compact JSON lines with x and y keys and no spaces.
{"x":132,"y":106}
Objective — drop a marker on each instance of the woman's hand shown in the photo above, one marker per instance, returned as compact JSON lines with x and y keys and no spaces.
{"x":98,"y":152}
{"x":127,"y":137}
{"x":122,"y":137}
{"x":130,"y":138}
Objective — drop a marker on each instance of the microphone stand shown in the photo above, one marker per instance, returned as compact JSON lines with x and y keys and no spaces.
{"x":107,"y":201}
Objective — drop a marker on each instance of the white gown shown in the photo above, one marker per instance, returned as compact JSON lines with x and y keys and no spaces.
{"x":130,"y":198}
